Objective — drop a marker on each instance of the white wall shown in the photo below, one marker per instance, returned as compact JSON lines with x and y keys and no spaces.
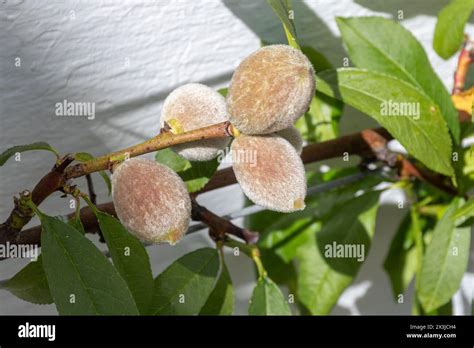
{"x":126,"y":57}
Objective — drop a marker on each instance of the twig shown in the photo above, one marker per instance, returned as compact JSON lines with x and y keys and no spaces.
{"x":465,"y":59}
{"x":405,"y":167}
{"x":90,"y":223}
{"x":353,"y":144}
{"x":219,"y":227}
{"x":161,"y":141}
{"x":90,"y":188}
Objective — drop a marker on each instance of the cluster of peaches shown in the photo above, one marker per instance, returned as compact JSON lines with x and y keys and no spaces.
{"x":268,"y":92}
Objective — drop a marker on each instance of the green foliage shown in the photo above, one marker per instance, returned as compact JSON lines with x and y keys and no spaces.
{"x":267,"y":299}
{"x":130,"y":258}
{"x":84,"y":157}
{"x":401,"y":261}
{"x":5,"y":155}
{"x":426,"y":137}
{"x":221,"y":299}
{"x":191,"y":279}
{"x":321,"y":278}
{"x":82,"y":281}
{"x":449,"y":31}
{"x":444,"y":262}
{"x":321,"y":122}
{"x":384,"y":46}
{"x":30,"y":284}
{"x":467,"y":210}
{"x":194,"y":174}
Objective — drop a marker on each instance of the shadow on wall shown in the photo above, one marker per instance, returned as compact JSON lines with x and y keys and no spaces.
{"x":410,"y":8}
{"x":260,"y":18}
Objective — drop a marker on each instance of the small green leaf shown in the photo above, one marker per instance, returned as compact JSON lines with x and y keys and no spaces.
{"x":172,"y":160}
{"x":81,"y":279}
{"x":130,"y":258}
{"x":184,"y":287}
{"x":282,"y":9}
{"x":194,"y":174}
{"x":30,"y":284}
{"x":5,"y":155}
{"x":223,"y":91}
{"x":449,"y":31}
{"x":84,"y":157}
{"x":401,"y":261}
{"x":221,"y":300}
{"x":323,"y":273}
{"x":385,"y":46}
{"x":425,"y":136}
{"x":267,"y":299}
{"x":444,"y":262}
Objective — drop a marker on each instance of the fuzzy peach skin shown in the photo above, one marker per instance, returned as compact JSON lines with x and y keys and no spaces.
{"x":151,"y":201}
{"x":270,"y":172}
{"x":194,"y":106}
{"x":292,"y":134}
{"x":270,"y":90}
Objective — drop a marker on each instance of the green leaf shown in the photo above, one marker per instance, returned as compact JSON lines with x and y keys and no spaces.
{"x":444,"y":262}
{"x":30,"y":284}
{"x":446,"y":309}
{"x":81,"y":279}
{"x":449,"y":31}
{"x":223,"y":91}
{"x":425,"y":136}
{"x":5,"y":155}
{"x":221,"y":300}
{"x":76,"y":223}
{"x":267,"y":299}
{"x":321,"y":122}
{"x":324,"y":276}
{"x":467,"y":210}
{"x":401,"y":261}
{"x":130,"y":258}
{"x":172,"y":160}
{"x":84,"y":157}
{"x":282,"y":9}
{"x":194,"y":174}
{"x":277,"y":269}
{"x":191,"y":279}
{"x":385,"y":46}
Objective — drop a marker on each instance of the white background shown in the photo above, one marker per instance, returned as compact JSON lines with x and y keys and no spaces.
{"x":127,"y":56}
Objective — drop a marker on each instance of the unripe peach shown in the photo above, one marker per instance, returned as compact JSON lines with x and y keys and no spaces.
{"x":151,"y":201}
{"x":269,"y":171}
{"x":195,"y":106}
{"x":270,"y":90}
{"x":293,"y":136}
